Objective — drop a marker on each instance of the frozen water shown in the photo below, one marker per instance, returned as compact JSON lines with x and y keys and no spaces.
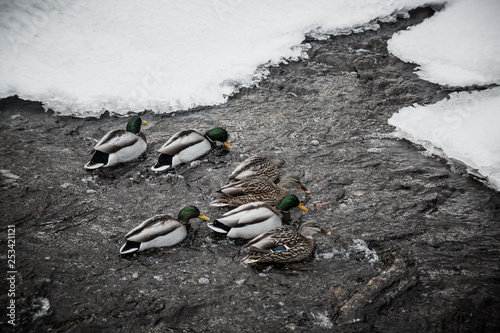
{"x":322,"y":319}
{"x":465,"y":127}
{"x":81,"y":58}
{"x":459,"y":46}
{"x":360,"y":246}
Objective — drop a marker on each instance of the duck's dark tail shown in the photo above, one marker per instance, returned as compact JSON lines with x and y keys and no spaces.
{"x":219,"y":227}
{"x":164,"y":163}
{"x":130,"y":247}
{"x":99,"y":159}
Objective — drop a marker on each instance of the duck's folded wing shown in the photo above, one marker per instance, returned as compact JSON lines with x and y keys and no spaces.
{"x":109,"y":136}
{"x":244,"y":208}
{"x":245,"y":187}
{"x":252,"y":215}
{"x":264,"y":245}
{"x":249,"y":186}
{"x":246,"y":168}
{"x":233,"y":189}
{"x":257,"y":215}
{"x":242,"y":175}
{"x":232,"y":218}
{"x":267,"y":241}
{"x":180,"y":141}
{"x":153,"y":227}
{"x":116,"y":140}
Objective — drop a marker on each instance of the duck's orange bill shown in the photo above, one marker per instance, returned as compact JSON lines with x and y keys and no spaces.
{"x":227,"y":144}
{"x":303,"y":188}
{"x":301,"y":206}
{"x":144,"y":122}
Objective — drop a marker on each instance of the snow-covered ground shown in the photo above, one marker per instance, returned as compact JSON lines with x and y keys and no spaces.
{"x":459,"y":46}
{"x":81,"y":58}
{"x":466,"y":127}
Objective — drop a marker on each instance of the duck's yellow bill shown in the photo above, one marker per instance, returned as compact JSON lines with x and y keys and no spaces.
{"x":203,"y":217}
{"x":144,"y":122}
{"x":227,"y":144}
{"x":301,"y":206}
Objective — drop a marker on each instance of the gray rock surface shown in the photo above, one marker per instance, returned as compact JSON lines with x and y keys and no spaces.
{"x":415,"y":245}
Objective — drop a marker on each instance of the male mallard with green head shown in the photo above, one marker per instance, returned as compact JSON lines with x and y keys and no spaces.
{"x":160,"y":231}
{"x":257,"y":166}
{"x":283,"y":244}
{"x":257,"y":189}
{"x":187,"y":146}
{"x":119,"y":146}
{"x":255,"y":218}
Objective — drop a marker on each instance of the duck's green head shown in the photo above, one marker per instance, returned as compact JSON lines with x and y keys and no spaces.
{"x":190,"y":212}
{"x":288,"y":202}
{"x":134,"y":124}
{"x":218,"y":134}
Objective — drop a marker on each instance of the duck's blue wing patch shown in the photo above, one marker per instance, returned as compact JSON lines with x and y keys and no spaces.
{"x":279,"y":248}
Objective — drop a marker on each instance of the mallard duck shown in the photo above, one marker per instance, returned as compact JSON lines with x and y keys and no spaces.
{"x":257,"y":189}
{"x":186,"y":146}
{"x":160,"y":231}
{"x":257,"y":166}
{"x":119,"y":146}
{"x":255,"y":218}
{"x":283,"y":244}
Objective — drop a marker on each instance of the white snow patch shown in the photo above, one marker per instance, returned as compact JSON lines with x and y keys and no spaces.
{"x":459,"y":46}
{"x":361,"y":246}
{"x":42,"y":305}
{"x":321,"y":319}
{"x":329,"y":255}
{"x":81,"y":58}
{"x":465,"y":127}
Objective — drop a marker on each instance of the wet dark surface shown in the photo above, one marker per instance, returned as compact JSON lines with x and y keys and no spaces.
{"x":415,"y":246}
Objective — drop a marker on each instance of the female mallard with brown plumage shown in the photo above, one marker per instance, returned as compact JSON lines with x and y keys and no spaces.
{"x":257,"y":166}
{"x":283,"y":244}
{"x":160,"y":231}
{"x":257,"y":189}
{"x":255,"y":218}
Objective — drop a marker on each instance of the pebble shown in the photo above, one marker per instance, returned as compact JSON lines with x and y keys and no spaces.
{"x":8,"y":174}
{"x":203,"y":280}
